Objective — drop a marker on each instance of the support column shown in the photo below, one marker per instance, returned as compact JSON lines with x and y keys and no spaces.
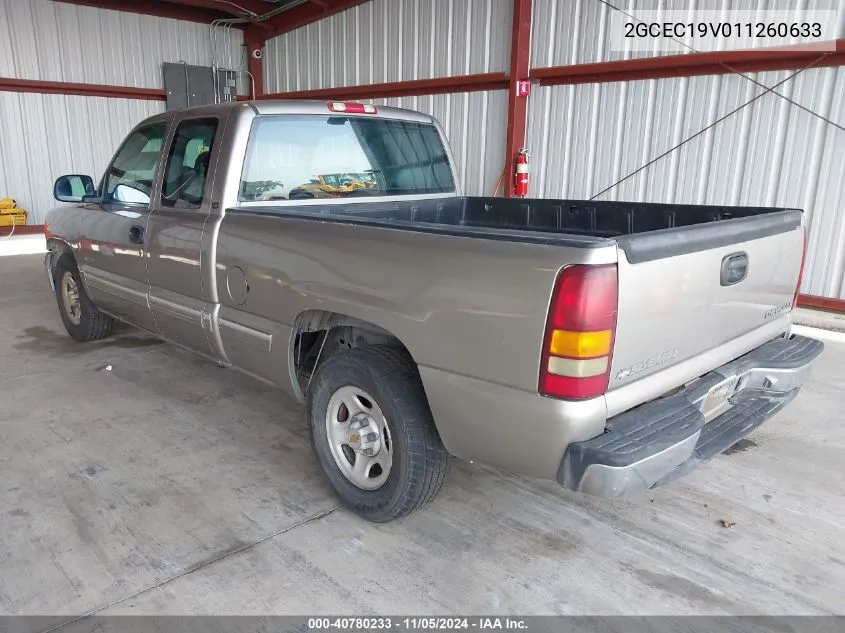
{"x":254,"y":41}
{"x":517,"y":106}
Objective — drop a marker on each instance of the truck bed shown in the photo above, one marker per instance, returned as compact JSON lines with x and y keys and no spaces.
{"x":560,"y":221}
{"x":671,"y":266}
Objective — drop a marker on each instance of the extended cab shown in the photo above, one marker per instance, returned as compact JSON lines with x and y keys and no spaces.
{"x":325,"y":248}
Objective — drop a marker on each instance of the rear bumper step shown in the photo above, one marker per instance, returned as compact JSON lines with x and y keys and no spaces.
{"x":664,"y":439}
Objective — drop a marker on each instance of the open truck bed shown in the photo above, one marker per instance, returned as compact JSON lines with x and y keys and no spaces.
{"x":558,"y":217}
{"x":563,"y":221}
{"x":674,"y":264}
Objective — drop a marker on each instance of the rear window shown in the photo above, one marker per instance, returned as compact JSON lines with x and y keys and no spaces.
{"x":308,"y":157}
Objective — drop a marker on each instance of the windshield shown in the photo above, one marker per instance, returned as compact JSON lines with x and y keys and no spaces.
{"x":305,"y":157}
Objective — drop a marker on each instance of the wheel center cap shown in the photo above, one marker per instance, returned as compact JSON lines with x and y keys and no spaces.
{"x":363,"y":435}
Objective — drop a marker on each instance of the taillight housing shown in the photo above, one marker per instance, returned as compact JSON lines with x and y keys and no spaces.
{"x":800,"y":272}
{"x":352,"y":108}
{"x":580,"y":330}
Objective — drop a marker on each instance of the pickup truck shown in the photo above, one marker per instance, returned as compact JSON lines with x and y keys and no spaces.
{"x":611,"y":346}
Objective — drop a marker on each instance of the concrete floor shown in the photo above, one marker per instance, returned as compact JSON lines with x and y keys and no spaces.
{"x":168,"y":485}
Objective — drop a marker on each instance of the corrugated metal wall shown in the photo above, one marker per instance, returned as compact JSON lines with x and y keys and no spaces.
{"x":54,"y":41}
{"x":392,"y":40}
{"x":473,"y":124}
{"x":45,"y":136}
{"x":576,"y":31}
{"x":403,"y":40}
{"x":584,"y":138}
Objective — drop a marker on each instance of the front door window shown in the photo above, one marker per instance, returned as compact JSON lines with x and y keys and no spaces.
{"x":129,"y":179}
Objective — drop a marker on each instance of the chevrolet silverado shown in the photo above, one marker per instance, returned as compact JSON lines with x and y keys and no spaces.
{"x":611,"y":346}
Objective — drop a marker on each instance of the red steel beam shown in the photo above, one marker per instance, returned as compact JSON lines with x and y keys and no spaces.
{"x":307,"y":13}
{"x":254,"y":41}
{"x":250,"y":10}
{"x":158,"y":8}
{"x":22,"y":229}
{"x":693,"y":64}
{"x":8,"y":84}
{"x":517,"y":106}
{"x":462,"y":83}
{"x":238,"y":8}
{"x":821,"y":303}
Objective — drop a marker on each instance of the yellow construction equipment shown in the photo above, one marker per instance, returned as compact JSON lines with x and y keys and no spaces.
{"x":333,"y":185}
{"x":10,"y":214}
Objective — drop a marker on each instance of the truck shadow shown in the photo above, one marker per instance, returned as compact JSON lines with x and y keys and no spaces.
{"x":39,"y":339}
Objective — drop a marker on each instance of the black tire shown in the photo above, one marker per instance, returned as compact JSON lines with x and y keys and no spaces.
{"x":420,"y":461}
{"x":93,"y":325}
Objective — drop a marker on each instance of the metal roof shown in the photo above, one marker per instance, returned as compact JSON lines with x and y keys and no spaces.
{"x":269,"y":17}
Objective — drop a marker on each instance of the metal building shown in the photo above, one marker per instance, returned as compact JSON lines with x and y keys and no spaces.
{"x":74,"y":79}
{"x":594,"y":114}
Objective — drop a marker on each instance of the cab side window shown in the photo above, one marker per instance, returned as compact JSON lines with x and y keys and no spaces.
{"x":129,"y":178}
{"x":186,"y":172}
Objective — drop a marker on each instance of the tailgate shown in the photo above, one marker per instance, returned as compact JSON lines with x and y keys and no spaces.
{"x":682,"y":291}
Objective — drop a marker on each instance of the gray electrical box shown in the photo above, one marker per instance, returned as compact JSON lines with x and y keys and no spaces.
{"x":227,"y":86}
{"x":188,"y":85}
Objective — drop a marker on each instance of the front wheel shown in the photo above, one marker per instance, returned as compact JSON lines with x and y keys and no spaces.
{"x":373,"y":432}
{"x":82,"y":320}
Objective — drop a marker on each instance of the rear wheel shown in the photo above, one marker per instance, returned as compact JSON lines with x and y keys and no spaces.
{"x":82,"y":320}
{"x":373,"y":432}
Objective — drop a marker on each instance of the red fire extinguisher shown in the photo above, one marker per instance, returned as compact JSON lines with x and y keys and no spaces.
{"x":520,"y":188}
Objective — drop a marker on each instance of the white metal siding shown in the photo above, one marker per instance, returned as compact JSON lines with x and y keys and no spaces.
{"x":568,"y":32}
{"x":55,"y":41}
{"x":44,"y":136}
{"x":584,"y":138}
{"x":472,"y":122}
{"x":392,"y":40}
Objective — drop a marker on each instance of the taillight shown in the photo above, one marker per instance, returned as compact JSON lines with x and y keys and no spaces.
{"x":354,"y":108}
{"x":580,"y":328}
{"x":800,"y":272}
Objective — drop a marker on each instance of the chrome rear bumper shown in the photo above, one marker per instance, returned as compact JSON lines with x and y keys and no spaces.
{"x":666,"y":438}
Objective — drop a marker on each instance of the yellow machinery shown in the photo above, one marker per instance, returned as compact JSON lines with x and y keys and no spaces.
{"x":10,"y":214}
{"x":334,"y":185}
{"x":345,"y":183}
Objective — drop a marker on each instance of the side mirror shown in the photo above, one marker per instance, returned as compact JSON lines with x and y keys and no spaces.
{"x":73,"y":188}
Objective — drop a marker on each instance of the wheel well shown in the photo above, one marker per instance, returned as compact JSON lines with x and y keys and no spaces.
{"x":59,"y":247}
{"x":318,"y":334}
{"x":55,"y":249}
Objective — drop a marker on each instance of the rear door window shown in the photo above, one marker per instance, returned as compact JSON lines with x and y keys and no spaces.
{"x":323,"y":157}
{"x":187,"y":164}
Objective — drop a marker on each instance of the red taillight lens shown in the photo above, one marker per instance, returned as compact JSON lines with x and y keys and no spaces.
{"x":353,"y":108}
{"x":585,"y":299}
{"x":579,"y":336}
{"x":800,"y":272}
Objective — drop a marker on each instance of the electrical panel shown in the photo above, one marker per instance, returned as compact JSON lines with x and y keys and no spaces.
{"x":187,"y":85}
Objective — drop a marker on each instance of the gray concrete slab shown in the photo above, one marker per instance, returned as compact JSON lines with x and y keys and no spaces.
{"x":820,"y":319}
{"x":168,"y":485}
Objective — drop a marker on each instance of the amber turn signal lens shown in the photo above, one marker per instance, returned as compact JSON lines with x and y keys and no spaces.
{"x":580,"y":344}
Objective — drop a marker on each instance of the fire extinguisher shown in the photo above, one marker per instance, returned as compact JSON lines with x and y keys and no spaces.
{"x":520,"y":188}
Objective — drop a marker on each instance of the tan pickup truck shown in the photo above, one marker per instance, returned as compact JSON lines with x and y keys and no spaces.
{"x":611,"y":346}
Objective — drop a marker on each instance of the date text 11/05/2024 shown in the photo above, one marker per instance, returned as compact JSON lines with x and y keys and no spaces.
{"x":417,"y":623}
